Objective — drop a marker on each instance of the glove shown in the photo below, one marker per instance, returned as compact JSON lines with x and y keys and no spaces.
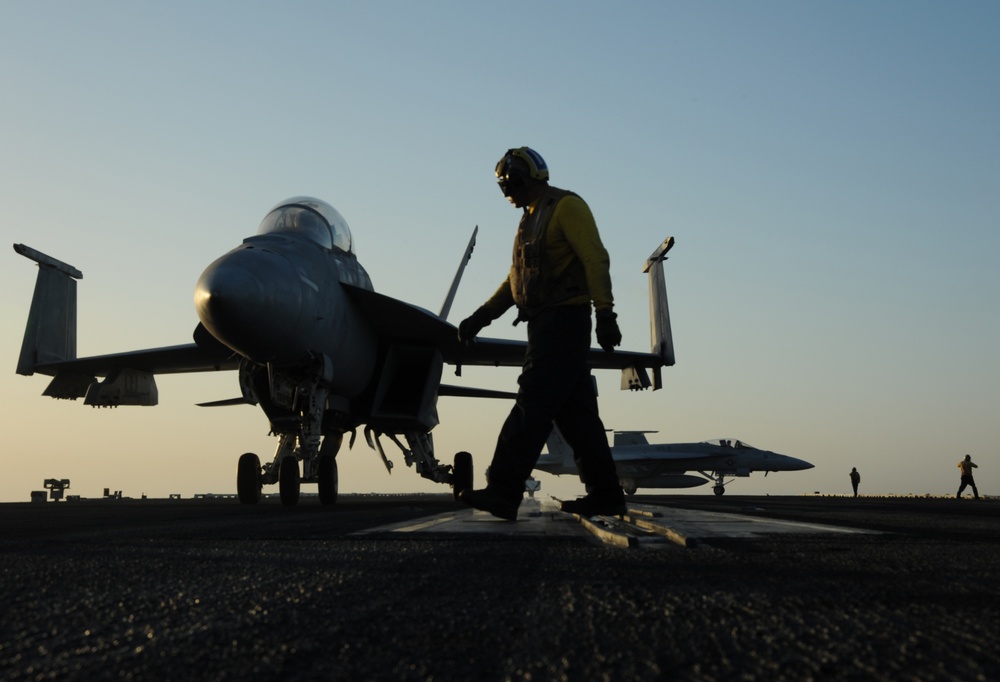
{"x":473,"y":324}
{"x":608,"y":334}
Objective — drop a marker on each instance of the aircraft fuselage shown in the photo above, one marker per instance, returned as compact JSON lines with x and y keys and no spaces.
{"x":276,"y":300}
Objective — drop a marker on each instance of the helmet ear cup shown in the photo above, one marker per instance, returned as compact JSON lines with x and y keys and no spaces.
{"x":537,"y":169}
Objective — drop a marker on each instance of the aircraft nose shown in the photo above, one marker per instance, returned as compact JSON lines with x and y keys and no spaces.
{"x":249,"y":300}
{"x":796,"y":464}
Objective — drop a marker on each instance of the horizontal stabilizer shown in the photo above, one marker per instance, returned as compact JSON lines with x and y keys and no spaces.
{"x":228,"y":402}
{"x":467,"y":392}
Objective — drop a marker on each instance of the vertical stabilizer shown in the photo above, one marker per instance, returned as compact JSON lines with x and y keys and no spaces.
{"x":446,"y":308}
{"x":659,"y":311}
{"x":560,"y":448}
{"x":624,"y":438}
{"x":50,"y":335}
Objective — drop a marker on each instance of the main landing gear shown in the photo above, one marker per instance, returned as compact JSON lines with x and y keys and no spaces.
{"x":322,"y":470}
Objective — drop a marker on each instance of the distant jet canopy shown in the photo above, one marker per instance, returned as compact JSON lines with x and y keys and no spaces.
{"x":311,"y":218}
{"x":729,"y":443}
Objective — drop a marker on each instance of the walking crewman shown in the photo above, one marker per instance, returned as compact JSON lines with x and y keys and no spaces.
{"x":560,"y":272}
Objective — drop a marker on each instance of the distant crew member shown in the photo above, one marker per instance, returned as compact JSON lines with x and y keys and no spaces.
{"x":560,"y":268}
{"x":967,"y":465}
{"x":855,"y":479}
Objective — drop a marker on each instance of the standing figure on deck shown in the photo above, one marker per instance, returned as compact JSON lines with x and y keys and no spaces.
{"x":967,"y":465}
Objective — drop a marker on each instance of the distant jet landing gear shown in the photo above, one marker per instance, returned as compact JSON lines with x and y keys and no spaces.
{"x":720,"y":481}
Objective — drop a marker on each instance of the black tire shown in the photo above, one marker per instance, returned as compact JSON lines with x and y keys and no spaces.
{"x":331,"y":444}
{"x":288,"y":481}
{"x":329,"y":480}
{"x":248,"y":479}
{"x":719,"y":490}
{"x":461,"y":473}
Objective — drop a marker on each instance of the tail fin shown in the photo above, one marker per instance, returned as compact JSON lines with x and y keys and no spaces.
{"x":50,"y":335}
{"x":446,"y":308}
{"x":560,"y":448}
{"x":631,"y":438}
{"x":659,"y":312}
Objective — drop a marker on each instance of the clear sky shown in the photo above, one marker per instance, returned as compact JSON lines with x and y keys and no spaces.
{"x":830,"y":171}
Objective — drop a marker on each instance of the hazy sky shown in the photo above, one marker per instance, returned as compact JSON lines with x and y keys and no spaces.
{"x":829,"y":171}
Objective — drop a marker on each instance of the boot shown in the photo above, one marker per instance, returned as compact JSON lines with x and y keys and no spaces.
{"x":598,"y":503}
{"x":491,"y":501}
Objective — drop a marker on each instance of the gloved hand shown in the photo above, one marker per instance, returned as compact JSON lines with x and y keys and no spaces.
{"x":473,"y":324}
{"x":608,"y":334}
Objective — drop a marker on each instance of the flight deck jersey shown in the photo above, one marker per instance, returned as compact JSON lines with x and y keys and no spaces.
{"x":558,"y":259}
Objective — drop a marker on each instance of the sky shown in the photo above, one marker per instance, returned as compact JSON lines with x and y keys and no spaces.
{"x":830,"y":172}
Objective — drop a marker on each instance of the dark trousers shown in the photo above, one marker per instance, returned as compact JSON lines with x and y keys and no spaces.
{"x":555,"y":386}
{"x":968,"y":481}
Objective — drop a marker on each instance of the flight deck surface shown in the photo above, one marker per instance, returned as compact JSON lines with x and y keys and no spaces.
{"x":387,"y":588}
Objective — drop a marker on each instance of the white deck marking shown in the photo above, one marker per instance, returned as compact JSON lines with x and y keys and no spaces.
{"x":540,"y":517}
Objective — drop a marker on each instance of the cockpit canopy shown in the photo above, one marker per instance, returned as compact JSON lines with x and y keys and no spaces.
{"x":730,"y":443}
{"x":312,"y":218}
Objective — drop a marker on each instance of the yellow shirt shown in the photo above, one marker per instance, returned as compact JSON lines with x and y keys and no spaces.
{"x":572,"y":233}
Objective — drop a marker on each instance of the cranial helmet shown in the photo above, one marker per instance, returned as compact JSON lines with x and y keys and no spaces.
{"x":520,"y":166}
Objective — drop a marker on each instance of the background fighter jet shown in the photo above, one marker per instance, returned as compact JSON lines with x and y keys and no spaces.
{"x":295,"y":314}
{"x":644,"y":465}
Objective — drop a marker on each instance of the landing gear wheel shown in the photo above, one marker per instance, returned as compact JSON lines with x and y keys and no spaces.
{"x":461,"y":473}
{"x":248,"y":479}
{"x":288,"y":481}
{"x":718,"y":490}
{"x":328,"y":480}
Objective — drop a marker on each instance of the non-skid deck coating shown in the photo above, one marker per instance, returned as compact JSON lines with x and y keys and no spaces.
{"x":211,"y":590}
{"x":643,"y":525}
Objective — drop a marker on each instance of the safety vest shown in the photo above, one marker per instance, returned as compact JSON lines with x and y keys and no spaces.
{"x":532,"y":282}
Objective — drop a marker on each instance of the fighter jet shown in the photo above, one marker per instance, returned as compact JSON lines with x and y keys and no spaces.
{"x":295,"y":315}
{"x":665,"y":465}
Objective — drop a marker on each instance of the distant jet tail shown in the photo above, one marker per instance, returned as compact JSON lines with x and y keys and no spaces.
{"x":559,"y":449}
{"x":50,"y":335}
{"x":631,"y":438}
{"x":659,"y":312}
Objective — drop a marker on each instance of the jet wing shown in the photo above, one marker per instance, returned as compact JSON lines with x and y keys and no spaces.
{"x":189,"y":357}
{"x":399,"y":321}
{"x":130,"y":375}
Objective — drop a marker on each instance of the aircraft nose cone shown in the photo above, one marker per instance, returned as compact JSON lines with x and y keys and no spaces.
{"x":249,"y":300}
{"x":797,"y":464}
